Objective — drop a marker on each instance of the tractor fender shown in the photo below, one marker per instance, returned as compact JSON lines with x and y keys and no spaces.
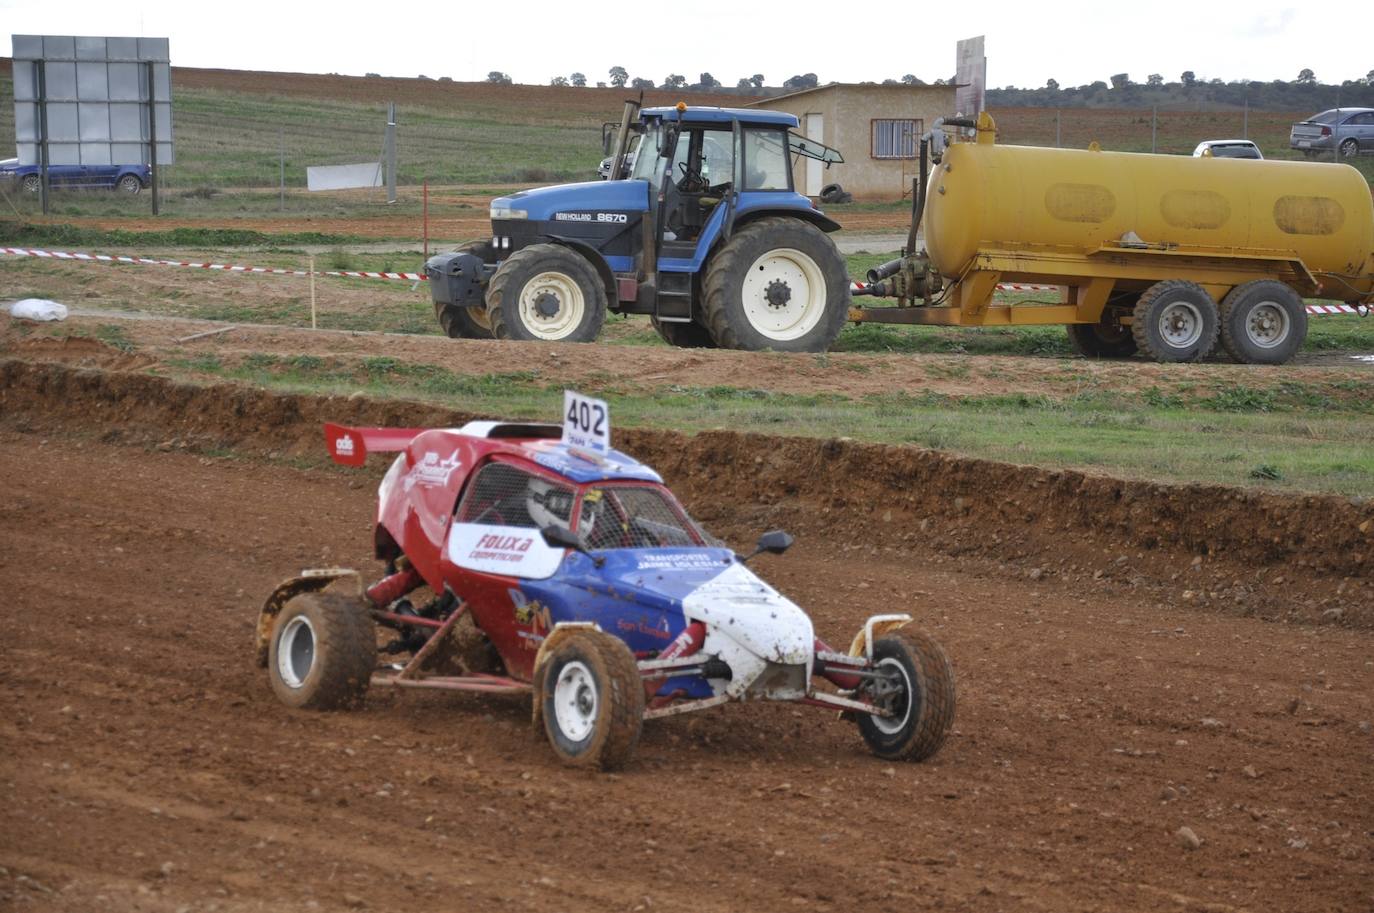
{"x":559,"y":633}
{"x":308,"y":581}
{"x":594,"y":257}
{"x":818,"y":219}
{"x":875,"y":627}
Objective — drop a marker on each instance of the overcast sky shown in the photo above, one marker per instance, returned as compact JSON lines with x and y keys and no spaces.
{"x":535,"y":40}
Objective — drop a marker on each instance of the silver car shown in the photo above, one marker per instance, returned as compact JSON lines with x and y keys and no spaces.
{"x":1349,"y":130}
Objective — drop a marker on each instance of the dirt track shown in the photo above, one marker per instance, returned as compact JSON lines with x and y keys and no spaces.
{"x":148,"y":766}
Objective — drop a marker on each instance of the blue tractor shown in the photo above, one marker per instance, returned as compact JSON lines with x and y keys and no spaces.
{"x":703,"y":231}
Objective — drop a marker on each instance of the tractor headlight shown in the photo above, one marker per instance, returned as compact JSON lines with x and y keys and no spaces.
{"x":505,"y":212}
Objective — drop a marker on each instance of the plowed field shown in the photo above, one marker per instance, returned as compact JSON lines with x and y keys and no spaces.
{"x":147,"y":766}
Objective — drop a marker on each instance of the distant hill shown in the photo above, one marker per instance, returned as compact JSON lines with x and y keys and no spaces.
{"x":1175,"y":96}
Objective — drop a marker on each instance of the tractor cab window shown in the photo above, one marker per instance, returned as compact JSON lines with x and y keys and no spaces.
{"x":765,"y":160}
{"x":634,"y":516}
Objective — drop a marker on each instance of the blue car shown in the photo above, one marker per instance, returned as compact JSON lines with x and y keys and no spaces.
{"x":128,"y":179}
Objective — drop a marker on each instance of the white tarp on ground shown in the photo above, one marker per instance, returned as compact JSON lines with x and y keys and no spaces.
{"x":38,"y":309}
{"x":343,"y":177}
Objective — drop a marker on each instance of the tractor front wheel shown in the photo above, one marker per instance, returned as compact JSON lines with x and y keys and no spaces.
{"x":915,"y":684}
{"x":546,"y":292}
{"x":323,"y":651}
{"x":778,"y":283}
{"x":592,"y":700}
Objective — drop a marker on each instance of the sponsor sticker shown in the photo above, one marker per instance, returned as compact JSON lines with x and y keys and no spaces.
{"x":431,"y":471}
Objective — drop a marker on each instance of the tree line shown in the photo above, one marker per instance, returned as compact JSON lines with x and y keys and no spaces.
{"x":1119,"y":91}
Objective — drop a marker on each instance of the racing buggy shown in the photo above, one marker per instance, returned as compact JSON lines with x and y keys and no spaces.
{"x":520,"y":563}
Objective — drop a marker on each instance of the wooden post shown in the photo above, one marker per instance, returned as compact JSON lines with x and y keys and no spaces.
{"x":312,"y":292}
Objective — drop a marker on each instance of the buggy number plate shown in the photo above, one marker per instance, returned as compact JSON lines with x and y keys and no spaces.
{"x":586,"y":423}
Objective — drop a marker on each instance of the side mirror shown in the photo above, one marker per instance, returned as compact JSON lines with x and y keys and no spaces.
{"x":775,"y":542}
{"x":562,"y":537}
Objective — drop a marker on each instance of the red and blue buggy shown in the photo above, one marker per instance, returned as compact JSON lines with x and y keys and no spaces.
{"x":517,"y":562}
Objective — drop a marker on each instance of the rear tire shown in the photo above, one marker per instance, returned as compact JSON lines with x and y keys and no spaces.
{"x":546,"y":292}
{"x":683,"y":335}
{"x":1175,"y":321}
{"x":1106,"y":339}
{"x":924,"y":703}
{"x":323,"y":651}
{"x":1263,"y":322}
{"x":751,"y":302}
{"x":592,"y":700}
{"x":1350,"y":148}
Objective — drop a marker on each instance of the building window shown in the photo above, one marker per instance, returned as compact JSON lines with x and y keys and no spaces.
{"x":894,"y":139}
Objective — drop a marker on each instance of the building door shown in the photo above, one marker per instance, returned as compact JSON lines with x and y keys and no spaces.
{"x":815,"y":171}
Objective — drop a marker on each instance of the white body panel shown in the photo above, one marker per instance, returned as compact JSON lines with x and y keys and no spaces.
{"x":515,"y":550}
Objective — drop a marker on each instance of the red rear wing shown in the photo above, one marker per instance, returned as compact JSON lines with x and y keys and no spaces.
{"x":350,"y":446}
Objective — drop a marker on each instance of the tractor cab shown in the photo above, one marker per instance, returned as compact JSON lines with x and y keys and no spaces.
{"x":649,"y":241}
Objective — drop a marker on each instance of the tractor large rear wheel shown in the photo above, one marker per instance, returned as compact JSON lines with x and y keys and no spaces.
{"x":548,"y":293}
{"x":780,"y":284}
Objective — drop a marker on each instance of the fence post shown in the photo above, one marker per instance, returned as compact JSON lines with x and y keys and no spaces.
{"x":312,"y":291}
{"x":152,"y":135}
{"x":1154,"y":129}
{"x":391,"y":153}
{"x":282,"y":201}
{"x":1057,"y":143}
{"x":1245,"y":122}
{"x":40,"y":76}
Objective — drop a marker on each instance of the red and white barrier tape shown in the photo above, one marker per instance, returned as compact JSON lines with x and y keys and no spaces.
{"x":224,"y":267}
{"x":421,"y":277}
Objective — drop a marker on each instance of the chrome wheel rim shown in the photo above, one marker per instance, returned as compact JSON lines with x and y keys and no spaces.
{"x":1180,"y":324}
{"x":784,"y":294}
{"x":296,"y":651}
{"x":1267,"y":325}
{"x":575,"y":701}
{"x":896,"y":697}
{"x":552,"y":305}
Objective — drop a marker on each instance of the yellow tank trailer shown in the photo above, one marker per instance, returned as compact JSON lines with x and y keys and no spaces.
{"x":1155,"y":253}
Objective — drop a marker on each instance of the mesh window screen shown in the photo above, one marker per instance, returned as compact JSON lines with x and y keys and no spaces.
{"x":632,"y":517}
{"x":505,"y":495}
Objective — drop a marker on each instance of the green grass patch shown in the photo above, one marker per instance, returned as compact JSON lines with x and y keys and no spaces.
{"x":25,"y":234}
{"x":1201,"y":436}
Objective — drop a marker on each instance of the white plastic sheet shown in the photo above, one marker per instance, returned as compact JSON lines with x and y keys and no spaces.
{"x":38,"y":309}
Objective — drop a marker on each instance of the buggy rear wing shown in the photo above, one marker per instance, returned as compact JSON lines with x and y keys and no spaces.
{"x":350,"y":446}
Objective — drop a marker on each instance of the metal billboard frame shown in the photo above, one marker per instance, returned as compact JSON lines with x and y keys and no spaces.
{"x":82,"y":100}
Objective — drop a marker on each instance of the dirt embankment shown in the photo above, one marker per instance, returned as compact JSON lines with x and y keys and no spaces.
{"x":1280,"y":556}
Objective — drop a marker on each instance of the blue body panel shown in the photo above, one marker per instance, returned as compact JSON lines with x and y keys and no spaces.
{"x":558,"y":457}
{"x":542,"y":203}
{"x":636,"y":595}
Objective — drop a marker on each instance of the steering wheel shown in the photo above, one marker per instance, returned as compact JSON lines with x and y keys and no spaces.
{"x":692,"y":180}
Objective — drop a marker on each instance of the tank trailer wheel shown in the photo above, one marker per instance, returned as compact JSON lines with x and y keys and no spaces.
{"x":1175,"y":321}
{"x":683,"y":335}
{"x":1105,"y":339}
{"x":1263,"y":322}
{"x":780,"y":284}
{"x":592,"y":700}
{"x":546,"y":292}
{"x":323,"y":651}
{"x":918,"y":687}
